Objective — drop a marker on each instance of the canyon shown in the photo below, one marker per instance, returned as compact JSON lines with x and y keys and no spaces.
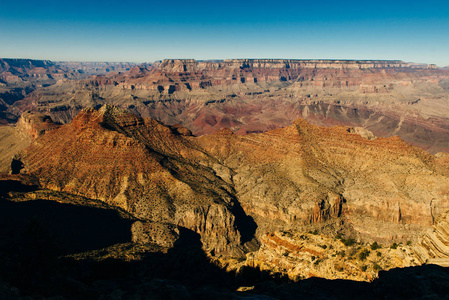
{"x":252,"y":171}
{"x":20,"y":77}
{"x":244,"y":195}
{"x":385,"y":97}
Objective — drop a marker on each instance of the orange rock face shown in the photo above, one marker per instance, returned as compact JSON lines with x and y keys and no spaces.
{"x":386,"y":97}
{"x":231,"y":189}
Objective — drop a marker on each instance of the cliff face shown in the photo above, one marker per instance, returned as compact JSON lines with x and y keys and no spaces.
{"x":19,"y":78}
{"x":189,"y":65}
{"x":138,"y":165}
{"x":235,"y":189}
{"x":386,"y":97}
{"x":306,"y":174}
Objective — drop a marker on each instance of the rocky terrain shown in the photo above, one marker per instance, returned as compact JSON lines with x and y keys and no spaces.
{"x":251,"y":198}
{"x":237,"y":193}
{"x":386,"y":97}
{"x":43,"y":232}
{"x":20,"y":77}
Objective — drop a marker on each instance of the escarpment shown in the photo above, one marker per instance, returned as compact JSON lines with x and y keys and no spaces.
{"x":138,"y":165}
{"x":308,"y":175}
{"x":235,"y":190}
{"x":385,"y":97}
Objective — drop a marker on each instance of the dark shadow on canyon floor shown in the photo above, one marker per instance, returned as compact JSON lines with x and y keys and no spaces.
{"x":36,"y":235}
{"x":7,"y":186}
{"x":74,"y":228}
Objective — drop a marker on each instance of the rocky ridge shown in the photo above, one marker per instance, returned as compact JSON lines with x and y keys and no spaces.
{"x":239,"y":192}
{"x":385,"y":97}
{"x":20,"y":77}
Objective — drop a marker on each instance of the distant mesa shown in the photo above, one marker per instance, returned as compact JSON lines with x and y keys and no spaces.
{"x":259,"y":168}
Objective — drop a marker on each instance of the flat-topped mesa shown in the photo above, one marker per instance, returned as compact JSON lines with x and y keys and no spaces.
{"x":35,"y":125}
{"x":318,"y":63}
{"x":22,"y":62}
{"x":190,"y":65}
{"x":187,"y":65}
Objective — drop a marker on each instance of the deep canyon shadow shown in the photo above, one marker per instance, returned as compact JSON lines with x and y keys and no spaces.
{"x":35,"y":235}
{"x":74,"y":228}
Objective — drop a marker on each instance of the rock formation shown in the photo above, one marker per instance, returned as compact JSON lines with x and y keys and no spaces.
{"x":385,"y":97}
{"x":20,"y":77}
{"x":238,"y":191}
{"x":267,"y":196}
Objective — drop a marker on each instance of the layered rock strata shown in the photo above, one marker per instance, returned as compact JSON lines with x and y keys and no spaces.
{"x":385,"y":97}
{"x":234,"y":189}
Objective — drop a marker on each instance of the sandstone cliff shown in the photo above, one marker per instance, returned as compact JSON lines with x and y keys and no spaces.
{"x":138,"y":165}
{"x":385,"y":97}
{"x":235,"y":191}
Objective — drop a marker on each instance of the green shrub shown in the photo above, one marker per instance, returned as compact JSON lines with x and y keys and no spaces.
{"x":364,"y":254}
{"x":375,"y":246}
{"x":394,"y":246}
{"x":348,"y":242}
{"x":376,"y":267}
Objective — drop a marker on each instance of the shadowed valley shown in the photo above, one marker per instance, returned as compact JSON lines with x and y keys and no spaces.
{"x":213,"y":180}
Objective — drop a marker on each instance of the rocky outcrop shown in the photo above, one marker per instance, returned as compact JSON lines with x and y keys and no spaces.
{"x":434,"y":245}
{"x":138,"y":165}
{"x":248,"y":95}
{"x":364,"y":133}
{"x":35,"y":125}
{"x":302,"y":255}
{"x":164,"y":235}
{"x":235,"y":189}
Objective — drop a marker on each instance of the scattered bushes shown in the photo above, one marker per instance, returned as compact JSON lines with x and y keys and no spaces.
{"x":376,"y":267}
{"x":364,"y":254}
{"x":348,"y":242}
{"x":375,"y":246}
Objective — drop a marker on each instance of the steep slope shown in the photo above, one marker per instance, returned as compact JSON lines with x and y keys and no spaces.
{"x":138,"y":165}
{"x":384,"y":188}
{"x":231,"y":189}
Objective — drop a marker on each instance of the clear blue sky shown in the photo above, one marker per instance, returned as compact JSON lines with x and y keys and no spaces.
{"x":145,"y":31}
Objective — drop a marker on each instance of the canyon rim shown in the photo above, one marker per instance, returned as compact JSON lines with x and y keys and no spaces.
{"x":238,"y":178}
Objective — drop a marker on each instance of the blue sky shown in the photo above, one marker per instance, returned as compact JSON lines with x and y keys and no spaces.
{"x":145,"y":31}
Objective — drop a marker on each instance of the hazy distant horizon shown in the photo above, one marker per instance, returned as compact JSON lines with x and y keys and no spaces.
{"x":213,"y":60}
{"x":143,"y":31}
